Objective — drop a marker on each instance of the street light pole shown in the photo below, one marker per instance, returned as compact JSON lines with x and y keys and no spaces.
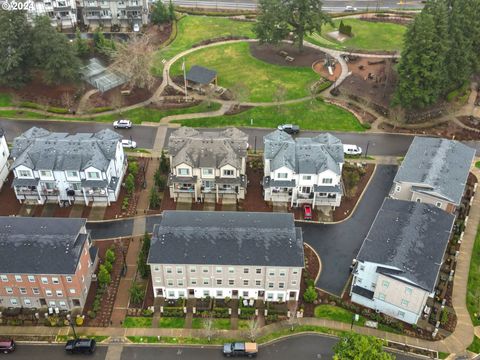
{"x":366,"y":150}
{"x":69,"y":318}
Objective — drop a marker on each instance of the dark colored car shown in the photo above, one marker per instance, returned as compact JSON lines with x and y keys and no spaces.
{"x":289,"y":128}
{"x":7,"y":346}
{"x":82,"y":346}
{"x":240,"y":349}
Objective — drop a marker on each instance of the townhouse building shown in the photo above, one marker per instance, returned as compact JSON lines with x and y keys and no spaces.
{"x":4,"y":154}
{"x":398,"y":265}
{"x":226,"y":254}
{"x":208,"y":166}
{"x":303,"y":170}
{"x":45,"y":262}
{"x":109,"y":13}
{"x":62,"y":13}
{"x":434,"y":171}
{"x":58,"y":167}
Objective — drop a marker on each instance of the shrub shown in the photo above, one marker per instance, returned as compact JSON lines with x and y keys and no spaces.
{"x":160,"y":180}
{"x":444,"y":317}
{"x":110,"y":255}
{"x":91,"y":314}
{"x":101,"y":109}
{"x":108,"y":266}
{"x":310,"y":295}
{"x":142,"y":266}
{"x":366,"y":126}
{"x":272,"y":317}
{"x":147,"y":313}
{"x":221,"y":313}
{"x":104,"y":276}
{"x":133,"y":168}
{"x":96,"y":305}
{"x":57,"y":110}
{"x":126,"y":201}
{"x":173,"y":312}
{"x":31,"y":105}
{"x":310,"y":283}
{"x":130,"y":184}
{"x":164,"y":165}
{"x":79,"y":320}
{"x":247,"y":313}
{"x":154,"y":199}
{"x":137,"y":293}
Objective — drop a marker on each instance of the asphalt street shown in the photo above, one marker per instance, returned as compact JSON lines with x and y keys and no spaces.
{"x":338,"y":244}
{"x":378,"y":143}
{"x":143,"y":135}
{"x":304,"y":347}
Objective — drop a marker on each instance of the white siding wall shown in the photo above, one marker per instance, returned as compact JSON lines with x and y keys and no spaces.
{"x":4,"y":154}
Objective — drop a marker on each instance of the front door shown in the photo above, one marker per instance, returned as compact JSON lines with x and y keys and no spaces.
{"x":191,"y":292}
{"x":293,"y":295}
{"x":159,"y":292}
{"x":235,"y":294}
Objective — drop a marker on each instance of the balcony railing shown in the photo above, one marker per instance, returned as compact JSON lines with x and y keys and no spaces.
{"x":305,"y":196}
{"x":49,"y":192}
{"x":26,"y":192}
{"x":226,"y":191}
{"x":96,"y":192}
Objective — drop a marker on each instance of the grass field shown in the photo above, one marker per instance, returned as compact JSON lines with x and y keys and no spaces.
{"x":337,"y":313}
{"x":137,"y":322}
{"x":235,"y":65}
{"x":367,"y":36}
{"x":475,"y":345}
{"x":171,"y":322}
{"x":218,"y":324}
{"x":309,"y":116}
{"x":137,"y":116}
{"x":20,"y":114}
{"x":473,"y":286}
{"x":194,"y":29}
{"x":5,"y":100}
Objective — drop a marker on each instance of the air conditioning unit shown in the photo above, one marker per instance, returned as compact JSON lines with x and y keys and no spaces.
{"x":94,"y":277}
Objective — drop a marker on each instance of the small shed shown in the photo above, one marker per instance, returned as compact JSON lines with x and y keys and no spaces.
{"x":199,"y":76}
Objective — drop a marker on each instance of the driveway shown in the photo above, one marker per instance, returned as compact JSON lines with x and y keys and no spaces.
{"x":143,"y":135}
{"x":338,"y":244}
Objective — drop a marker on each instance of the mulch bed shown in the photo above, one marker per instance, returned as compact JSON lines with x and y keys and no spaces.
{"x":237,"y":109}
{"x":319,"y":68}
{"x":167,"y":202}
{"x":8,"y":200}
{"x":86,"y":211}
{"x":108,"y":298}
{"x":39,"y":92}
{"x":62,"y":212}
{"x":470,"y":121}
{"x":271,"y":54}
{"x":149,"y":298}
{"x":446,"y":130}
{"x":159,"y":33}
{"x":348,"y":203}
{"x":115,"y":210}
{"x":109,"y":97}
{"x":311,"y":270}
{"x":254,"y":198}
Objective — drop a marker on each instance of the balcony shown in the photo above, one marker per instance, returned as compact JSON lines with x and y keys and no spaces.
{"x":49,"y":192}
{"x":95,"y":192}
{"x":25,"y":191}
{"x":304,"y":196}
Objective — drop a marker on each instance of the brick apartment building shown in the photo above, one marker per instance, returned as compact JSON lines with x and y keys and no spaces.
{"x":45,"y":262}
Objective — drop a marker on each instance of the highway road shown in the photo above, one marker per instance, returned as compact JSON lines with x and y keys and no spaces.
{"x":328,"y":5}
{"x":377,"y":143}
{"x":304,"y":347}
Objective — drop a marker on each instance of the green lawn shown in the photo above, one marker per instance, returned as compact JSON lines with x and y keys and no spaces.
{"x":316,"y":116}
{"x":20,"y":114}
{"x":477,"y":164}
{"x":5,"y":99}
{"x":475,"y":345}
{"x":144,"y":339}
{"x":473,"y":286}
{"x":137,"y":322}
{"x":243,"y":324}
{"x":218,"y":324}
{"x":64,"y":338}
{"x":139,"y":115}
{"x":366,"y":36}
{"x":172,"y":322}
{"x":194,"y":29}
{"x":256,"y":80}
{"x":337,"y":313}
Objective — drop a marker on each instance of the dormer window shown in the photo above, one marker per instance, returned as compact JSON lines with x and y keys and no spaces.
{"x":228,"y":173}
{"x":282,"y":175}
{"x":183,"y":172}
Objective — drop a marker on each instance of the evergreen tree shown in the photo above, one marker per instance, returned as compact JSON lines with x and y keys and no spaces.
{"x":81,"y":45}
{"x":53,"y":53}
{"x":353,"y":346}
{"x":15,"y":48}
{"x":171,"y":11}
{"x":160,"y":14}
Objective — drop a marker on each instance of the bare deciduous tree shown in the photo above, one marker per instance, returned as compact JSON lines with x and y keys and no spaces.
{"x":208,"y":325}
{"x":252,"y":329}
{"x":240,"y":92}
{"x":134,"y":59}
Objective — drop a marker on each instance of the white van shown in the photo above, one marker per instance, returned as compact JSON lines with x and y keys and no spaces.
{"x":349,"y":149}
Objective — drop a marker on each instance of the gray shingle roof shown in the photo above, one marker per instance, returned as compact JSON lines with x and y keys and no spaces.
{"x":226,"y":238}
{"x":439,"y":164}
{"x":411,"y":237}
{"x":201,"y":75}
{"x":208,"y":149}
{"x":39,"y":149}
{"x":40,"y":245}
{"x":303,"y":155}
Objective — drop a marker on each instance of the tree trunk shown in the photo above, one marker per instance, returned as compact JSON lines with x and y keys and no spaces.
{"x":300,"y":35}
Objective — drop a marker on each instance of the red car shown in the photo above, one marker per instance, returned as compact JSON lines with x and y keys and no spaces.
{"x":307,"y":212}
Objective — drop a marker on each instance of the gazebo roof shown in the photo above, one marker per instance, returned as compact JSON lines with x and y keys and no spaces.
{"x":201,"y":75}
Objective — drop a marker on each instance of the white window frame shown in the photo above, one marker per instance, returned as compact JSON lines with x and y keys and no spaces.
{"x":31,"y":278}
{"x":18,"y":278}
{"x":183,"y":171}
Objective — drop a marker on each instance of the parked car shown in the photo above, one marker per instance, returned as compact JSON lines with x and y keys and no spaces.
{"x":289,"y":128}
{"x":350,"y":8}
{"x":240,"y":349}
{"x":7,"y":346}
{"x":136,"y":28}
{"x":81,"y":346}
{"x":129,"y":144}
{"x":307,"y":212}
{"x":122,"y":124}
{"x":349,"y":149}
